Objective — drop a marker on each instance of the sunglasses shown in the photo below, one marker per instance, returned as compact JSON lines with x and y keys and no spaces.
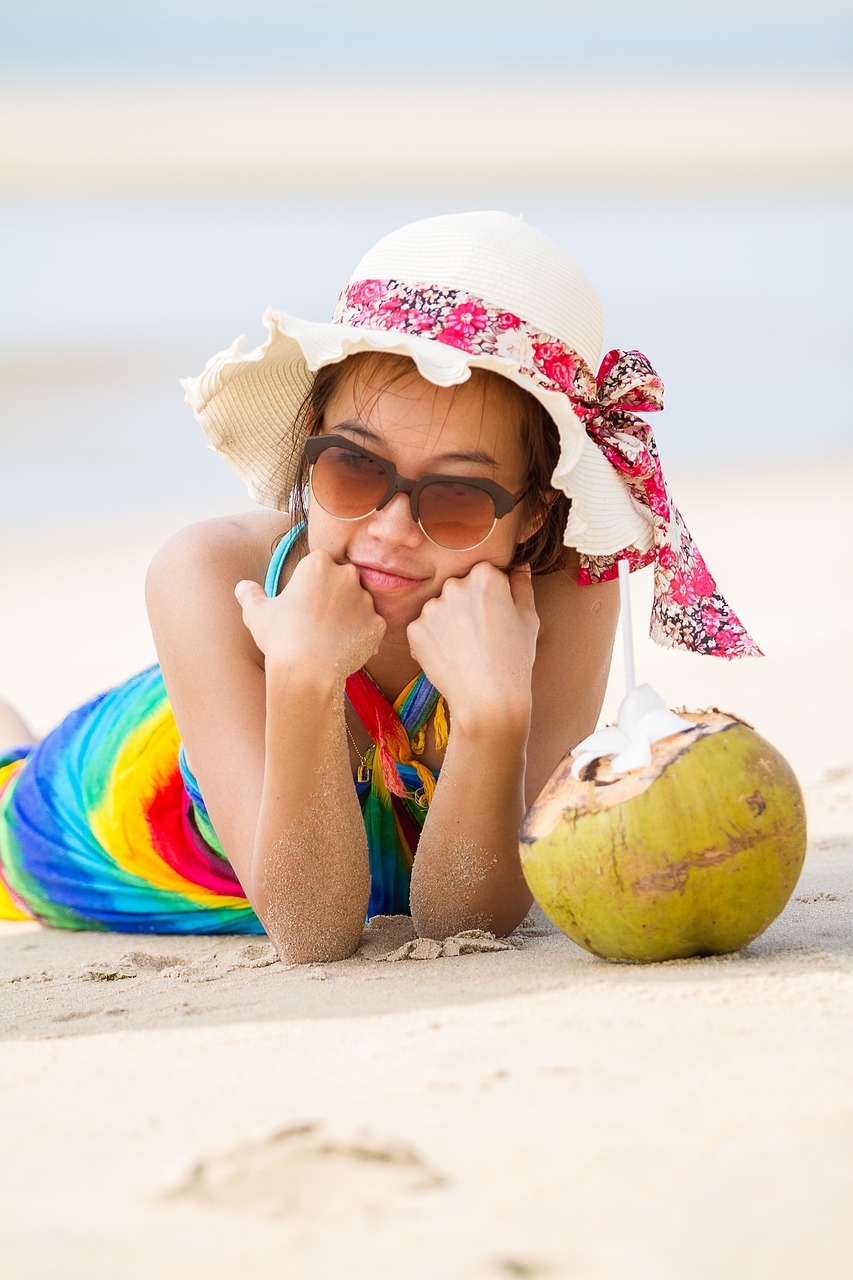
{"x":455,"y":512}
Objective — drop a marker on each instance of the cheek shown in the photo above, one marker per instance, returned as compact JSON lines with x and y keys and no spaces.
{"x":498,"y":550}
{"x":324,"y":532}
{"x":505,"y":539}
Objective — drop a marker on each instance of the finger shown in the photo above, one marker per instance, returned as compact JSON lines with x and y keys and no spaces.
{"x":413,"y":634}
{"x":248,"y":593}
{"x":417,"y":635}
{"x":521,"y":587}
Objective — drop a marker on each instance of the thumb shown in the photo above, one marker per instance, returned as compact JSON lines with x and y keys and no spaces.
{"x":521,"y":590}
{"x":521,"y":585}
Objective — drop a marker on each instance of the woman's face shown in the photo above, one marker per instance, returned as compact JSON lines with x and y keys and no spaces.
{"x":470,"y":430}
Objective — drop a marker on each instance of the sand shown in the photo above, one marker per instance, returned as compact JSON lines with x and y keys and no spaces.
{"x":195,"y":1107}
{"x":671,"y":132}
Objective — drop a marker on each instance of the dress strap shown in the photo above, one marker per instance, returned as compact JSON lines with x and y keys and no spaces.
{"x":278,"y":558}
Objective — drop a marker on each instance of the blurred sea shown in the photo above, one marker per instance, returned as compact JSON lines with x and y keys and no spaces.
{"x":740,"y":300}
{"x":384,"y":37}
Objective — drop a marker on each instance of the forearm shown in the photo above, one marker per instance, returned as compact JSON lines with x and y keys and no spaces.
{"x":467,"y":872}
{"x":310,"y":871}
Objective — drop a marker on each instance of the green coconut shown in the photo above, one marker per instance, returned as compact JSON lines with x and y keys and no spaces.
{"x":695,"y":853}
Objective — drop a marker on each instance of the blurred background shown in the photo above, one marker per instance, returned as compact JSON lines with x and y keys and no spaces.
{"x":171,"y":168}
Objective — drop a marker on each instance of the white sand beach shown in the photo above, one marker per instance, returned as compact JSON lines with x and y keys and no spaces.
{"x":193,"y":1107}
{"x":576,"y":131}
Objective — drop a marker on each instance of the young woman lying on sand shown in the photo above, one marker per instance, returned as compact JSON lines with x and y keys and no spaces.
{"x":445,"y":490}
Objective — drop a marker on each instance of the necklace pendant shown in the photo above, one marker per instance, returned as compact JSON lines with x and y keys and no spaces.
{"x":363,"y":774}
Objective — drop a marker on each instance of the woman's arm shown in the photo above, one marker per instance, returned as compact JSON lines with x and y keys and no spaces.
{"x":309,"y":869}
{"x":512,"y":721}
{"x":259,"y":705}
{"x":309,"y":874}
{"x":477,"y":643}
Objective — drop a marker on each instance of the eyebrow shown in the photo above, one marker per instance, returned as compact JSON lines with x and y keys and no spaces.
{"x":468,"y":455}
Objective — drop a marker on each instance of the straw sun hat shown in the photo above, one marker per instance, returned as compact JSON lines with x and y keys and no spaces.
{"x":486,"y":291}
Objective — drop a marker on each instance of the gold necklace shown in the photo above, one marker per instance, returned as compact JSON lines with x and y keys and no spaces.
{"x":363,"y":774}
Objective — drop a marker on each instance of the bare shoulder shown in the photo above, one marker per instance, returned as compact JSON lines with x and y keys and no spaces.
{"x":189,"y":588}
{"x":561,"y":602}
{"x":223,"y":546}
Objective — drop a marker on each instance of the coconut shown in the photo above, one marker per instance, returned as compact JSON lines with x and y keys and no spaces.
{"x":694,"y":853}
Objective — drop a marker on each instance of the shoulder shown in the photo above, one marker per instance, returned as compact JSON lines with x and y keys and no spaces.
{"x":561,"y":601}
{"x":189,"y":588}
{"x":243,"y":540}
{"x":240,"y":543}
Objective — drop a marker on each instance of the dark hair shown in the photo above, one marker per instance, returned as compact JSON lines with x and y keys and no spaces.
{"x":544,"y":550}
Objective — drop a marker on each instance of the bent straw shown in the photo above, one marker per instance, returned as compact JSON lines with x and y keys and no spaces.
{"x":627,"y":629}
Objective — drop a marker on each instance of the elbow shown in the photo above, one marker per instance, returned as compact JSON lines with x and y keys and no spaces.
{"x":310,"y":928}
{"x":304,"y":937}
{"x":293,"y":951}
{"x":445,"y":922}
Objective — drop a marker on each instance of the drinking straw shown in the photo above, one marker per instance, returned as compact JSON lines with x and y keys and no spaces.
{"x":627,"y":630}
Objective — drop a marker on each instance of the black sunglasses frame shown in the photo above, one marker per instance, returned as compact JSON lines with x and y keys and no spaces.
{"x":504,"y":501}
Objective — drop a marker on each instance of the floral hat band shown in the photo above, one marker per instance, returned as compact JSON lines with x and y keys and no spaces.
{"x":688,"y":611}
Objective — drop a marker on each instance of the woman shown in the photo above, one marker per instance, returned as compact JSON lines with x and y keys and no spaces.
{"x":472,"y":486}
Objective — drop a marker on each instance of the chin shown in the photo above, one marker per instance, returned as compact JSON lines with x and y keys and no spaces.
{"x":395,"y":616}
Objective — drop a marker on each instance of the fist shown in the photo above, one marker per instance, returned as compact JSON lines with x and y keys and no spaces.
{"x":477,"y":640}
{"x":323,"y":617}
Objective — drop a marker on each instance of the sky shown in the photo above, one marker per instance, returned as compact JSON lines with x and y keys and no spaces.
{"x":406,"y":42}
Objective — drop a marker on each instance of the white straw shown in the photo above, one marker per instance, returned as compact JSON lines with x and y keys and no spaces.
{"x":627,"y":630}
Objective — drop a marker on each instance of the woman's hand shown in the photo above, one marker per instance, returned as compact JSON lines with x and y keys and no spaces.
{"x":477,"y":642}
{"x":323,"y":617}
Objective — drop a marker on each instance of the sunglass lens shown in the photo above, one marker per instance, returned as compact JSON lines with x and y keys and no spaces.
{"x":346,"y":484}
{"x":456,"y":516}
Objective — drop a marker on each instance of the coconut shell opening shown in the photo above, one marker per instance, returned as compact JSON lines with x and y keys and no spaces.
{"x":600,"y":788}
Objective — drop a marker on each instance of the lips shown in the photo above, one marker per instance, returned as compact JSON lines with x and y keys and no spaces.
{"x":385,"y":577}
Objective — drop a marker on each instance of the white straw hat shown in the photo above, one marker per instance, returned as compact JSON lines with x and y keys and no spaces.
{"x":248,"y":401}
{"x":481,"y":291}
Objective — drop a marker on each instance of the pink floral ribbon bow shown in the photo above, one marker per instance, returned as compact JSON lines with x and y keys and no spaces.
{"x":688,"y":611}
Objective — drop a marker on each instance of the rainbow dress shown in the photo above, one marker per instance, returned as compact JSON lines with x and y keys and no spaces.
{"x":102,"y":825}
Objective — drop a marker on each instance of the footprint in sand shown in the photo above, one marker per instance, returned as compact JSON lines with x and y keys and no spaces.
{"x":131,"y":965}
{"x":520,"y":1267}
{"x":300,"y":1173}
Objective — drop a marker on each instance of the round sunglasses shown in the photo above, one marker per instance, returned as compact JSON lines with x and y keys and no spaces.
{"x":455,"y":512}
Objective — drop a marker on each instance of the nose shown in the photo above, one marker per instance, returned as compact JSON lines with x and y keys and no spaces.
{"x":393,"y":523}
